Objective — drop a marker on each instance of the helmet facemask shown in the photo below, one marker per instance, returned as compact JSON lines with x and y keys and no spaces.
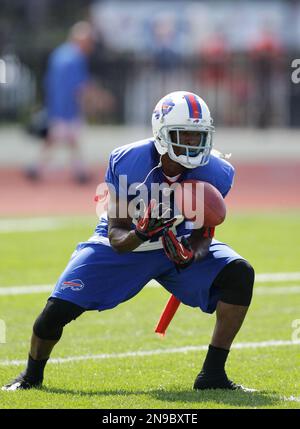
{"x":178,"y":147}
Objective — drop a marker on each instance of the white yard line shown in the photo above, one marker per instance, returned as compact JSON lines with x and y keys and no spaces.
{"x":279,"y":290}
{"x":8,"y":226}
{"x":25,"y":290}
{"x":143,"y":353}
{"x":277,"y":277}
{"x":35,"y":289}
{"x":51,"y":223}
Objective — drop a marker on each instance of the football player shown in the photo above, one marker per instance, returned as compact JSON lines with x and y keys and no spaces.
{"x":126,"y":252}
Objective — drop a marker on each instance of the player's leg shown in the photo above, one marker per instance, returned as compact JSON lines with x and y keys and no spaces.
{"x":36,"y":171}
{"x":78,"y":167}
{"x":234,"y":284}
{"x":45,"y":163}
{"x":223,"y":281}
{"x":96,"y":278}
{"x":47,"y":331}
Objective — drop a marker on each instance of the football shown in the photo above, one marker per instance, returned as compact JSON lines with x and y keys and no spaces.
{"x":200,"y":201}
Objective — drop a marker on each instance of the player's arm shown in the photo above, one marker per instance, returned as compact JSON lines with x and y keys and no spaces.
{"x":200,"y":240}
{"x":121,"y":237}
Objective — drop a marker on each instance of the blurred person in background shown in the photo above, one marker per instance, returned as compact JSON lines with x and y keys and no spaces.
{"x":165,"y":42}
{"x":161,"y":68}
{"x":265,"y":52}
{"x":69,"y":93}
{"x":213,"y":76}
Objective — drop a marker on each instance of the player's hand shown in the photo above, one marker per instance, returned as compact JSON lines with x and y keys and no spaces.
{"x":178,"y":252}
{"x":150,"y":224}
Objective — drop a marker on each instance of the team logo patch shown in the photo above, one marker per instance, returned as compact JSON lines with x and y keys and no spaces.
{"x":167,"y":106}
{"x":75,"y":285}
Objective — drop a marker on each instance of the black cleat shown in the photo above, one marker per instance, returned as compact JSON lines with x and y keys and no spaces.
{"x":21,"y":383}
{"x":218,"y":381}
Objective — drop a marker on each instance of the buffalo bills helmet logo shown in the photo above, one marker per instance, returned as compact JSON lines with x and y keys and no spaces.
{"x":167,"y":106}
{"x":74,"y":285}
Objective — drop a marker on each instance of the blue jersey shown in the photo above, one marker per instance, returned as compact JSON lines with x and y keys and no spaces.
{"x":67,"y":72}
{"x":136,"y":161}
{"x":97,"y":277}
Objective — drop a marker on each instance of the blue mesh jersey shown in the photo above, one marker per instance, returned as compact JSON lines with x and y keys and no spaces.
{"x":98,"y":278}
{"x":136,"y":161}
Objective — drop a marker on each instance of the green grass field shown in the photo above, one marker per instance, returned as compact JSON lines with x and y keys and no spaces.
{"x":161,"y":380}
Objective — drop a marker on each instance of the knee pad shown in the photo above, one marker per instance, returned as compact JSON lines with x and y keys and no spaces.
{"x":235,"y":283}
{"x":56,"y":314}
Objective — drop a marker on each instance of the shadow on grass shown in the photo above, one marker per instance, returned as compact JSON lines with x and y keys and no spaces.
{"x":218,"y":397}
{"x":221,"y":397}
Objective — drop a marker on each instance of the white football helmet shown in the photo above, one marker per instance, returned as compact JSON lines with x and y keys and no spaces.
{"x":183,"y":111}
